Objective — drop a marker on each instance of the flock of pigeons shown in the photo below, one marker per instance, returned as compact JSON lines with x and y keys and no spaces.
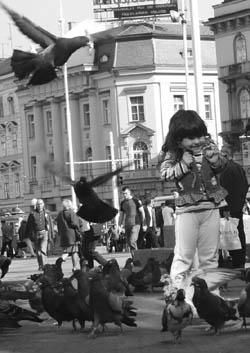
{"x":104,"y":295}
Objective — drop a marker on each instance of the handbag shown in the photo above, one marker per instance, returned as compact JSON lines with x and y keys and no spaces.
{"x":229,"y":234}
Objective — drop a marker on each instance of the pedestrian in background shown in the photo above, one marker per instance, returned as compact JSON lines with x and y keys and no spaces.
{"x":133,"y":217}
{"x":193,"y":162}
{"x":150,"y":220}
{"x":89,"y":242}
{"x":168,"y":214}
{"x":39,"y":225}
{"x":8,"y":233}
{"x":233,"y":179}
{"x":69,"y":232}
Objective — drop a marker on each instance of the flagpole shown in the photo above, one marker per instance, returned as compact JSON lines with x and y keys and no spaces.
{"x":68,"y":114}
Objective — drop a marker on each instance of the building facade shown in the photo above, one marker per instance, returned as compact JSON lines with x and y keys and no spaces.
{"x":131,"y":86}
{"x":231,"y":26}
{"x":11,"y":155}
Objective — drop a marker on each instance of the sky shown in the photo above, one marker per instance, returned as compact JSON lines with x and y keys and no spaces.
{"x":45,"y":13}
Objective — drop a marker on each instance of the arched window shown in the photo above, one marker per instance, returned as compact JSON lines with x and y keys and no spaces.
{"x":244,"y":98}
{"x":240,"y":48}
{"x":141,"y":154}
{"x":89,"y":157}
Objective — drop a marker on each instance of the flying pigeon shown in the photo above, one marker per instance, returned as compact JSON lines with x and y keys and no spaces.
{"x":40,"y":67}
{"x":93,"y":209}
{"x":210,"y":307}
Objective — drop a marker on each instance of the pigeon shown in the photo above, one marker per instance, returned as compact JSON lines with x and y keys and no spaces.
{"x":53,"y":272}
{"x":40,"y":67}
{"x":177,"y":315}
{"x":148,"y":277}
{"x":75,"y":305}
{"x":114,"y":280}
{"x":54,"y":303}
{"x":17,"y":313}
{"x":4,"y":265}
{"x":108,"y":307}
{"x":93,"y":209}
{"x":244,"y":304}
{"x":82,"y":284}
{"x":210,"y":307}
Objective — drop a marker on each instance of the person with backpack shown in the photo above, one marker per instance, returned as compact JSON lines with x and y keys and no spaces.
{"x":132,"y":216}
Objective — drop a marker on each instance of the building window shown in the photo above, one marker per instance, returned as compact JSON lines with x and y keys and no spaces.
{"x":14,"y":140}
{"x":244,"y":98}
{"x":3,"y":144}
{"x":106,"y":111}
{"x":49,"y":122}
{"x":179,"y":102}
{"x":31,"y":126}
{"x":137,"y":108}
{"x":141,"y":155}
{"x":17,"y":185}
{"x":11,"y":105}
{"x":86,"y":115}
{"x":240,"y":48}
{"x":208,"y":110}
{"x":6,"y":185}
{"x":108,"y":156}
{"x":89,"y":157}
{"x":1,"y":107}
{"x":33,"y":167}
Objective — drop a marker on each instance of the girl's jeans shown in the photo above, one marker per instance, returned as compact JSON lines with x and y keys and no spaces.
{"x":195,"y":230}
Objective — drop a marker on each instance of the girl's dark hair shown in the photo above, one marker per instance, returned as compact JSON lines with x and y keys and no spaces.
{"x":184,"y":123}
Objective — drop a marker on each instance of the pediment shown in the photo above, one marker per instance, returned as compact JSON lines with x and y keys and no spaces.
{"x":138,"y":130}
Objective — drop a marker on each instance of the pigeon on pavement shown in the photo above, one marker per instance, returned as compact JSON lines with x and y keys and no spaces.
{"x":177,"y":315}
{"x":109,"y":307}
{"x":244,"y":304}
{"x":14,"y":313}
{"x":4,"y":265}
{"x":210,"y":307}
{"x":41,"y":67}
{"x":148,"y":277}
{"x":53,"y":272}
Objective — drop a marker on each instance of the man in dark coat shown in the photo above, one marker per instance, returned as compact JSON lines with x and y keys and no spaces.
{"x":233,"y":179}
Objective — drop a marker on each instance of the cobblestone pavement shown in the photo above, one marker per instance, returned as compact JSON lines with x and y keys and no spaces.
{"x":146,"y":338}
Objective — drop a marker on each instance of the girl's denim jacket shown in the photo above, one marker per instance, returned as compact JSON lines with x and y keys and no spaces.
{"x":194,"y":185}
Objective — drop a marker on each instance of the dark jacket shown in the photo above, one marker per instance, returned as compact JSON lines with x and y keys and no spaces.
{"x":234,"y":180}
{"x":32,"y":223}
{"x":67,"y":224}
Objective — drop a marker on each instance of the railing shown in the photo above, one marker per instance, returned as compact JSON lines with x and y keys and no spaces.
{"x":234,"y":70}
{"x":235,"y":125}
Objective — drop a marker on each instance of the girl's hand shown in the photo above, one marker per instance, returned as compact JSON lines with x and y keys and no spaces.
{"x":187,"y":158}
{"x":211,"y":153}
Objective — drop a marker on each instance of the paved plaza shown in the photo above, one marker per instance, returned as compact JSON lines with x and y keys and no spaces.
{"x":146,"y":338}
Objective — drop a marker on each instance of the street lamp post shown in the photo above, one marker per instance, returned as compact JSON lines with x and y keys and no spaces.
{"x":176,"y":17}
{"x":197,"y":56}
{"x":68,"y":114}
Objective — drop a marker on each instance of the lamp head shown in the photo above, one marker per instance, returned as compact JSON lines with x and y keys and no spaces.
{"x":175,"y":16}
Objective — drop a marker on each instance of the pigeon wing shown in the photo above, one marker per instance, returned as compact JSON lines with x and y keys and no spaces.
{"x":28,"y":28}
{"x":104,"y":178}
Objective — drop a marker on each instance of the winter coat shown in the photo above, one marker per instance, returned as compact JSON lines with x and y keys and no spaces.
{"x":68,"y":225}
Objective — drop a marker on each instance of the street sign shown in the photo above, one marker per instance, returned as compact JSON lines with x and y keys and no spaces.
{"x":144,"y":10}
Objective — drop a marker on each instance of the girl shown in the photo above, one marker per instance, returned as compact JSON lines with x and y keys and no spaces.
{"x":193,"y":161}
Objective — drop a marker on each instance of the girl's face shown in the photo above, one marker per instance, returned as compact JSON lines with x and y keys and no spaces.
{"x":193,"y":145}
